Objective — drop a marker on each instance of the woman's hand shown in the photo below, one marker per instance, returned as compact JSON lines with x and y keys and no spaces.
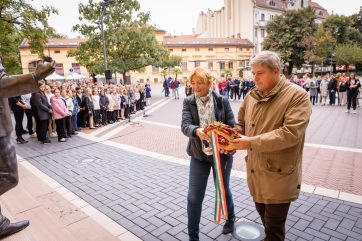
{"x":203,"y":136}
{"x":242,"y":143}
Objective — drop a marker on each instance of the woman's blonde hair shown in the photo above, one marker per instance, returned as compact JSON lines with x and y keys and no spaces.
{"x":204,"y":74}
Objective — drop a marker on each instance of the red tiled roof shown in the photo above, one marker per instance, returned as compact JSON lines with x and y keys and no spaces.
{"x":58,"y":42}
{"x":189,"y":40}
{"x":319,"y":8}
{"x":279,"y":4}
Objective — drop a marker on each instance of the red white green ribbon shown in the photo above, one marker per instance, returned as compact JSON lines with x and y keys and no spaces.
{"x":220,"y":200}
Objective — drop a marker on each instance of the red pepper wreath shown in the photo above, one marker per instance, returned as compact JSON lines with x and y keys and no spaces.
{"x":225,"y":134}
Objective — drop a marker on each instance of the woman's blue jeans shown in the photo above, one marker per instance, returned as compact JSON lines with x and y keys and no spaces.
{"x":199,"y":174}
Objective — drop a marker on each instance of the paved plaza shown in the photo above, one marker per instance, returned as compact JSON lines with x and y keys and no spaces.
{"x":139,"y":179}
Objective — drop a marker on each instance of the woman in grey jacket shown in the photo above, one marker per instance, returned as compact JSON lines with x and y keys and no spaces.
{"x":203,"y":108}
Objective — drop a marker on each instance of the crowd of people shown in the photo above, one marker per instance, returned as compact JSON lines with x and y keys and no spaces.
{"x":63,"y":109}
{"x":345,"y":88}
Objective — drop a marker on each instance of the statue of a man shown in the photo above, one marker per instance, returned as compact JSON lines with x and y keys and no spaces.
{"x":13,"y":86}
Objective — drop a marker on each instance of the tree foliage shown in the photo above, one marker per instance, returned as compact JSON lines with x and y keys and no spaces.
{"x":19,"y":20}
{"x":130,"y":43}
{"x":176,"y":71}
{"x":227,"y":72}
{"x":339,"y":26}
{"x":287,"y":35}
{"x":348,"y":53}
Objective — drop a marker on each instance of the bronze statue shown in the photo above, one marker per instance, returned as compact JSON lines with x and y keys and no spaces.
{"x":13,"y":86}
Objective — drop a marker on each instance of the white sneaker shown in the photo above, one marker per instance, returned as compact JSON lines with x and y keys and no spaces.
{"x":33,"y":135}
{"x":347,"y":111}
{"x":53,"y":135}
{"x":354,"y":112}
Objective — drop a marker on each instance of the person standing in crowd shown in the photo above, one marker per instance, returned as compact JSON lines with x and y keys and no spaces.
{"x":231,"y":88}
{"x":332,"y":87}
{"x":313,"y":90}
{"x":123,"y":104}
{"x":199,"y":110}
{"x":148,"y":95}
{"x":172,"y":87}
{"x":110,"y":106}
{"x":44,"y":111}
{"x":306,"y":83}
{"x":237,"y":88}
{"x":34,"y":113}
{"x":188,"y":89}
{"x":18,"y":106}
{"x":75,"y":112}
{"x":142,"y":98}
{"x":166,"y":87}
{"x":324,"y":89}
{"x":97,"y":107}
{"x":352,"y":85}
{"x":80,"y":99}
{"x":29,"y":118}
{"x":68,"y":119}
{"x":219,"y":86}
{"x":136,"y":100}
{"x":89,"y":107}
{"x":246,"y":86}
{"x":342,"y":91}
{"x":273,"y":120}
{"x":176,"y":84}
{"x":227,"y":87}
{"x":318,"y":83}
{"x":103,"y":104}
{"x":52,"y":127}
{"x":59,"y":113}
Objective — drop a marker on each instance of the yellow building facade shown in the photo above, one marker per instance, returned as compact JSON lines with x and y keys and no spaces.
{"x":215,"y":54}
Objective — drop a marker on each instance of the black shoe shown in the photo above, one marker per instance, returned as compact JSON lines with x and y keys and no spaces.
{"x":74,"y":133}
{"x":46,"y":142}
{"x":228,"y":226}
{"x":20,"y":140}
{"x":8,"y":228}
{"x":66,"y":136}
{"x":25,"y":132}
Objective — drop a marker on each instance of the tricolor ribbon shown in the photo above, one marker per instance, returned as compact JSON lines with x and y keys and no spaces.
{"x":220,"y":200}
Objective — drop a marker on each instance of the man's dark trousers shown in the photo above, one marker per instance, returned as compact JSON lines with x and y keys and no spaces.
{"x":273,"y":217}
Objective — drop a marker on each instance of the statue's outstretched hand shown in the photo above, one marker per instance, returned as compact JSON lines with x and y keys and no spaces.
{"x":45,"y":68}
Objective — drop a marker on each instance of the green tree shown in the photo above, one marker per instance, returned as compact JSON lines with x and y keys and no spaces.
{"x":227,"y":72}
{"x":319,"y":47}
{"x":164,"y":73}
{"x":130,"y":43}
{"x":176,"y":71}
{"x":287,"y":35}
{"x":339,"y":26}
{"x":348,"y":53}
{"x":19,"y":20}
{"x":357,"y":20}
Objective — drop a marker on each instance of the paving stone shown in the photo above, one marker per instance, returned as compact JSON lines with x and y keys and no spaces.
{"x":298,"y":233}
{"x":317,"y":234}
{"x":333,"y":233}
{"x":162,"y":229}
{"x":349,"y":233}
{"x":347,"y":223}
{"x":301,"y":225}
{"x":150,"y":237}
{"x":316,"y":224}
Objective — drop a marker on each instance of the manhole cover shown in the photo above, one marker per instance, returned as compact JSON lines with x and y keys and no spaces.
{"x":248,"y":231}
{"x":87,"y":160}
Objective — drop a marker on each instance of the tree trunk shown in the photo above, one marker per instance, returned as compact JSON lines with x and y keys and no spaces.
{"x":334,"y":68}
{"x":290,"y":68}
{"x":124,"y":78}
{"x":312,"y":69}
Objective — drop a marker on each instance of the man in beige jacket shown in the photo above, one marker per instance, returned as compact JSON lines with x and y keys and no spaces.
{"x":272,"y":121}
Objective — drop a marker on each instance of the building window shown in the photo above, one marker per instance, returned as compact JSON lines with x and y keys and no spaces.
{"x":183,"y":50}
{"x":197,"y":64}
{"x":240,"y":49}
{"x":210,"y":49}
{"x":210,"y":65}
{"x":238,"y":35}
{"x":155,"y":69}
{"x":61,"y":43}
{"x":197,"y":50}
{"x":256,"y":32}
{"x":230,"y":65}
{"x":171,"y":50}
{"x":271,"y":17}
{"x":262,"y":33}
{"x":320,"y":13}
{"x":57,"y":51}
{"x":184,"y":66}
{"x":76,"y":68}
{"x":262,"y":17}
{"x":222,"y":65}
{"x":272,"y":3}
{"x":59,"y":69}
{"x":226,"y":49}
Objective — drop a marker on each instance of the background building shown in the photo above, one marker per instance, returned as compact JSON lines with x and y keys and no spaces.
{"x":247,"y":18}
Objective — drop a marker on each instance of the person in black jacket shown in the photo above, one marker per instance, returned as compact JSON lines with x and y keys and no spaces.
{"x":237,"y":89}
{"x":199,"y":110}
{"x":103,"y":103}
{"x":44,"y":111}
{"x":34,"y":113}
{"x":89,"y":107}
{"x":80,"y":100}
{"x":18,"y":106}
{"x":352,"y":92}
{"x":332,"y":88}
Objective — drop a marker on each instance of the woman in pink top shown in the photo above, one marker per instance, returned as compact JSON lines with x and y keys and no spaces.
{"x":59,"y":113}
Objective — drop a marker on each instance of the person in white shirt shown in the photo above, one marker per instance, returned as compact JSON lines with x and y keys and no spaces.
{"x":52,"y":126}
{"x":97,"y":107}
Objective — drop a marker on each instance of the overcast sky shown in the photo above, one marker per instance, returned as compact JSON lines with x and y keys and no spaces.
{"x":173,"y":16}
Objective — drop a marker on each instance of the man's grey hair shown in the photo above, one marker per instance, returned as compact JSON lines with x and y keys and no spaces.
{"x":267,"y":58}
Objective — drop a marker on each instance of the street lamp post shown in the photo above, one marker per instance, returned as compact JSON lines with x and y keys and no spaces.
{"x":104,"y":12}
{"x":331,"y":63}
